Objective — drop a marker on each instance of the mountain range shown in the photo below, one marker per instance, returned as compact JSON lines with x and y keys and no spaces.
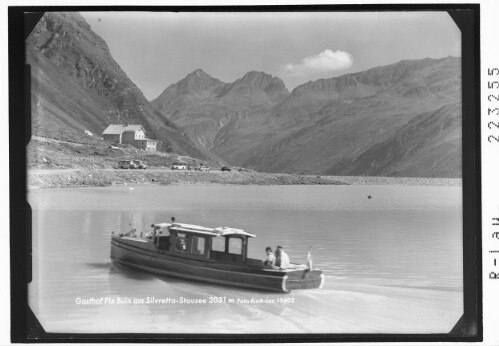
{"x":402,"y":119}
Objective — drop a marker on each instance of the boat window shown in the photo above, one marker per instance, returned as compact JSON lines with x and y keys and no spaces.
{"x":218,"y":244}
{"x":197,"y":245}
{"x":236,"y":246}
{"x":164,"y":243}
{"x":180,"y":243}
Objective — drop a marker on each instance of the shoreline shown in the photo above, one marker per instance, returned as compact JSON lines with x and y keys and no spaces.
{"x":407,"y":181}
{"x":76,"y":178}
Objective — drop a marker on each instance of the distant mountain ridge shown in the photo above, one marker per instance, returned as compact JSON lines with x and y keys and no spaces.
{"x":203,"y":106}
{"x":77,"y":86}
{"x":336,"y":125}
{"x":258,"y":87}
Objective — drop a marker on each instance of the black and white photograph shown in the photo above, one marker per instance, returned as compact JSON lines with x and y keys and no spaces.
{"x":246,"y":172}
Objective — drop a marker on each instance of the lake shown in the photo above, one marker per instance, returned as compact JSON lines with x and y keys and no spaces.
{"x":393,"y":263}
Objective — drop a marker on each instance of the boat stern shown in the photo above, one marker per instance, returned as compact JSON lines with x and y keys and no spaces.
{"x":303,"y":279}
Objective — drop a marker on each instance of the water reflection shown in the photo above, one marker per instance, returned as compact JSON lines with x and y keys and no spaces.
{"x":387,"y":255}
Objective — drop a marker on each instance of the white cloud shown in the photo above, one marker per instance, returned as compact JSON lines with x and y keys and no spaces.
{"x":325,"y":61}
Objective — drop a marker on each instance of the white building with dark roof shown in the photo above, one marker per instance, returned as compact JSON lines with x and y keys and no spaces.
{"x":129,"y":134}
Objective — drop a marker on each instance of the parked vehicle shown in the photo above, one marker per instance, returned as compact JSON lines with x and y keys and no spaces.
{"x":139,"y":164}
{"x":127,"y":164}
{"x":212,"y":255}
{"x":179,"y":166}
{"x":225,"y":169}
{"x":202,"y":168}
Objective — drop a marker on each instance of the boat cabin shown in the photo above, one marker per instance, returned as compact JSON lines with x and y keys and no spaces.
{"x":198,"y":242}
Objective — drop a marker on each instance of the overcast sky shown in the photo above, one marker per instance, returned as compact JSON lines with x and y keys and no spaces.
{"x":158,"y":49}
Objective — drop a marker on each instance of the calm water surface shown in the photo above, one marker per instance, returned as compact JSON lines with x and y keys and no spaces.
{"x":393,"y":263}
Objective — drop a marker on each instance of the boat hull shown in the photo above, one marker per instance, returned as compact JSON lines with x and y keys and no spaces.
{"x":142,"y":255}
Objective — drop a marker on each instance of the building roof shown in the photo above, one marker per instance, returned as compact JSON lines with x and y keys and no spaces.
{"x":214,"y":232}
{"x":120,"y":128}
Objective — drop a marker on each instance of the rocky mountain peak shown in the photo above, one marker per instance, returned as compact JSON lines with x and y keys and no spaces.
{"x":251,"y":75}
{"x":259,"y":85}
{"x":256,"y":79}
{"x":68,"y":33}
{"x":199,"y":74}
{"x":194,"y":88}
{"x":199,"y":71}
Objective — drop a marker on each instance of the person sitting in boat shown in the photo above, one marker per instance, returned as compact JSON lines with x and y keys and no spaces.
{"x":282,"y":258}
{"x":270,"y":259}
{"x":181,"y":245}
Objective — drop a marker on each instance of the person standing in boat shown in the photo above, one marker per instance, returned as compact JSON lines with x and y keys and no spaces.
{"x":270,"y":259}
{"x":282,"y":258}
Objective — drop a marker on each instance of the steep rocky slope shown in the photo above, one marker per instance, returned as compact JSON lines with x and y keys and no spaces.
{"x":428,"y":145}
{"x":77,"y":86}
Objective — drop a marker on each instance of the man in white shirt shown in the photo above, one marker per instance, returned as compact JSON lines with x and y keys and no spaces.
{"x":282,"y":258}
